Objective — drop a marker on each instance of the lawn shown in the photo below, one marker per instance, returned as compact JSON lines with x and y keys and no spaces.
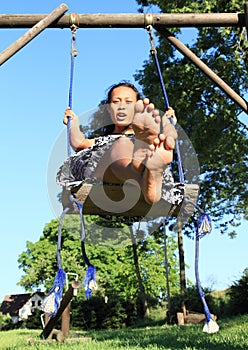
{"x":233,"y":335}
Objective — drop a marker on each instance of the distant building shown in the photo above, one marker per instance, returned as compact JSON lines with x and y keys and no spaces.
{"x":21,"y":306}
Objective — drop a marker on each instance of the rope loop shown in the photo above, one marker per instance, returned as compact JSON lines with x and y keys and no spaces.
{"x":74,"y":51}
{"x":74,"y":20}
{"x":152,"y":42}
{"x":148,"y":19}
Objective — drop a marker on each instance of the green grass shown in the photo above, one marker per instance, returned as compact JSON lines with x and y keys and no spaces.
{"x":233,"y":335}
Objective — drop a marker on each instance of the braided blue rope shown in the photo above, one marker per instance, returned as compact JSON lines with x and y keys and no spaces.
{"x":203,"y":227}
{"x":73,"y":55}
{"x":90,"y":276}
{"x":52,"y":301}
{"x":60,"y":237}
{"x":166,"y":101}
{"x":204,"y":222}
{"x":200,"y":234}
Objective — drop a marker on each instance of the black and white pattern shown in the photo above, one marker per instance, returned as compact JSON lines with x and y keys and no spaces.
{"x":79,"y":168}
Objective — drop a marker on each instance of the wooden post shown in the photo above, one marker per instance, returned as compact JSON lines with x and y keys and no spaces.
{"x":72,"y":290}
{"x":47,"y":318}
{"x":65,"y":321}
{"x":204,"y":68}
{"x":32,"y":33}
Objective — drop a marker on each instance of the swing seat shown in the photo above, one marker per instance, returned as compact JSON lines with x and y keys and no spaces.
{"x":124,"y":200}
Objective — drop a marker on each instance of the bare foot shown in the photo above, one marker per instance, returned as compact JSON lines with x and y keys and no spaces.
{"x":151,"y":145}
{"x":146,"y":126}
{"x":153,"y":149}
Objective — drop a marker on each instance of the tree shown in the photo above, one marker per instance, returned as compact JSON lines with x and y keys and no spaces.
{"x":207,"y":115}
{"x":111,"y":251}
{"x":238,"y":293}
{"x":143,"y":297}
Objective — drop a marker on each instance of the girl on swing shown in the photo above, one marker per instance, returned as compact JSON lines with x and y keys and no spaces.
{"x":132,"y":148}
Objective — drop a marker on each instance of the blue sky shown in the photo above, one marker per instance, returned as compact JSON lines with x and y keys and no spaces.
{"x":34,"y":94}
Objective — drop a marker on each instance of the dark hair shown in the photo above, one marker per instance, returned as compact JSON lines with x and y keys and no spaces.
{"x":122,"y":83}
{"x":102,"y":115}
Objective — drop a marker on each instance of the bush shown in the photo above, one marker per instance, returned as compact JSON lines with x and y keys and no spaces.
{"x":192,"y":301}
{"x":98,"y":314}
{"x":5,"y":322}
{"x":238,"y":293}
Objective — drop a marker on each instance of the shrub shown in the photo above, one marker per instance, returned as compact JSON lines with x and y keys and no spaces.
{"x":98,"y":314}
{"x":238,"y":293}
{"x":5,"y":322}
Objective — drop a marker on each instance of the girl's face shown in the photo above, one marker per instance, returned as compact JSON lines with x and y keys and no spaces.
{"x":121,"y":107}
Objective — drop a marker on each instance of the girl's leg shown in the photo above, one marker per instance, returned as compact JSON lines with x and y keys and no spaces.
{"x":153,"y":149}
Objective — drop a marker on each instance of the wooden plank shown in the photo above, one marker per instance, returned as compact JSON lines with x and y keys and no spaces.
{"x":128,"y":20}
{"x":32,"y":33}
{"x":111,"y":200}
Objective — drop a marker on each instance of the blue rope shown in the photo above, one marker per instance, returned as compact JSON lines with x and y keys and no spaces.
{"x":90,"y":278}
{"x":204,"y":222}
{"x":203,"y":227}
{"x":53,"y":299}
{"x":60,"y":237}
{"x":73,"y":55}
{"x":166,"y":101}
{"x":201,"y":293}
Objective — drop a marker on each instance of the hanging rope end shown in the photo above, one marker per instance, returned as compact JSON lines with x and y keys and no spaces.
{"x":204,"y":224}
{"x":211,"y":327}
{"x":90,"y":281}
{"x":52,"y":301}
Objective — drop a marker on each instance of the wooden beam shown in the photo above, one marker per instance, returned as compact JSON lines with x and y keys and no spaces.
{"x":32,"y":33}
{"x":204,"y":68}
{"x":125,"y":20}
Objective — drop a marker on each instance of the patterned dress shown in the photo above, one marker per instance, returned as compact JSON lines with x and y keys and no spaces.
{"x":79,"y":168}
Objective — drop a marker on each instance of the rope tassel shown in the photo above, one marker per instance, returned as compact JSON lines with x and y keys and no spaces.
{"x":203,"y":227}
{"x":52,"y":301}
{"x":90,"y":281}
{"x":90,"y":277}
{"x":204,"y":224}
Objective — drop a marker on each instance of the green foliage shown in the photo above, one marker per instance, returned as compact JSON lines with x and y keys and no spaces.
{"x":207,"y":115}
{"x":238,"y":293}
{"x":100,"y":313}
{"x":110,"y":251}
{"x":192,"y":302}
{"x":5,"y":321}
{"x":33,"y":321}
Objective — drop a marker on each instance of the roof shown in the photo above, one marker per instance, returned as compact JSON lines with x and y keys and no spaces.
{"x":13,"y":303}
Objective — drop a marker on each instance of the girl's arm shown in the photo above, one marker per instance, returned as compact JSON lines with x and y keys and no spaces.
{"x":77,"y":138}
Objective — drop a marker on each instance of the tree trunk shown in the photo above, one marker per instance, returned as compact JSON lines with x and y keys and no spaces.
{"x":167,"y":274}
{"x":143,"y":298}
{"x":181,"y":261}
{"x":181,"y":266}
